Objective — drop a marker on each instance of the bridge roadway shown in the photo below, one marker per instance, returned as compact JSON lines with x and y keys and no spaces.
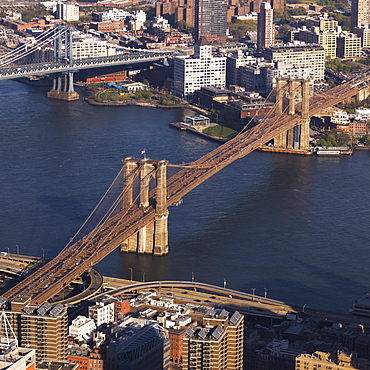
{"x":53,"y":67}
{"x":197,"y":293}
{"x":73,"y":260}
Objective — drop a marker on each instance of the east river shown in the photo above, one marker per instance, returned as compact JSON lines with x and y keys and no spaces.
{"x":297,"y":226}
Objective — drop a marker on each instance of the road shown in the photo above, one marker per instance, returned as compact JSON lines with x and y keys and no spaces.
{"x":74,"y":259}
{"x":189,"y":293}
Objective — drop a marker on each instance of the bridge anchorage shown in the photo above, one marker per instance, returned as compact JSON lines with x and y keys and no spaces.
{"x":152,"y":238}
{"x":296,"y":138}
{"x":63,"y":82}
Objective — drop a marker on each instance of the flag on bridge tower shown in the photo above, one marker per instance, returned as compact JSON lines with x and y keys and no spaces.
{"x":143,"y":152}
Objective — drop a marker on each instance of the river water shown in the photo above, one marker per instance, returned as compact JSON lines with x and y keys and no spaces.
{"x":297,"y":226}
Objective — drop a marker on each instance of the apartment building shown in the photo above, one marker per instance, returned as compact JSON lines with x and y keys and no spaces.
{"x":348,"y":45}
{"x":324,"y":23}
{"x":233,"y":67}
{"x":216,"y":344}
{"x":265,"y":27}
{"x":323,"y":360}
{"x":90,"y":47}
{"x":202,"y":69}
{"x":364,"y":34}
{"x":44,"y":329}
{"x":326,"y":38}
{"x":300,"y":55}
{"x":102,"y":313}
{"x":67,"y":11}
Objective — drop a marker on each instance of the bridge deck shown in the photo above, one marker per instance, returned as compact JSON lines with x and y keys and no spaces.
{"x":77,"y":258}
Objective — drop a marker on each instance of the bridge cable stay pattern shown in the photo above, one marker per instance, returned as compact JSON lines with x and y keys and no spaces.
{"x":66,"y":253}
{"x":258,"y":110}
{"x":12,"y":56}
{"x":97,"y":230}
{"x":120,"y":173}
{"x":30,"y":43}
{"x":90,"y":250}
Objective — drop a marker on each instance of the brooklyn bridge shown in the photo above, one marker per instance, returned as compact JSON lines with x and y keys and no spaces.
{"x":137,"y":221}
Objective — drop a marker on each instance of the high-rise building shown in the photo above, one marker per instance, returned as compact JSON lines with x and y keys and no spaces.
{"x":210,"y":20}
{"x":217,"y":344}
{"x":44,"y":329}
{"x":67,"y":11}
{"x":13,"y":357}
{"x":275,"y":4}
{"x":265,"y":28}
{"x":203,"y":69}
{"x":360,"y":13}
{"x":176,"y":10}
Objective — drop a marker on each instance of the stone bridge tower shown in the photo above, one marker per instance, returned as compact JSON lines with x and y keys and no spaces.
{"x":298,"y":137}
{"x":153,"y":238}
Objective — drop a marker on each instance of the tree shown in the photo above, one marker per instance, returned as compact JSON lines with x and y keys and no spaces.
{"x":366,"y":140}
{"x":146,"y":94}
{"x":338,"y":66}
{"x":330,"y":139}
{"x":139,"y":96}
{"x":297,"y":11}
{"x":183,"y":26}
{"x":284,"y":30}
{"x":343,"y":20}
{"x":282,"y":17}
{"x":35,"y":11}
{"x":239,"y":28}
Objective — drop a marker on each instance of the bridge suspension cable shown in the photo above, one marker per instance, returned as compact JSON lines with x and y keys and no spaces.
{"x":94,"y":210}
{"x":72,"y":262}
{"x":25,"y":52}
{"x":28,"y":43}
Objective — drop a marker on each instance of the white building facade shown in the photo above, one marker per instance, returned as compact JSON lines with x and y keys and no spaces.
{"x":285,"y":70}
{"x":90,"y":47}
{"x":113,"y":15}
{"x":203,"y":69}
{"x":82,"y":328}
{"x":102,"y":313}
{"x":299,"y":54}
{"x":67,"y":11}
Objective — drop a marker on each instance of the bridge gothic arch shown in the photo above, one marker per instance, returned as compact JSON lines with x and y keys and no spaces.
{"x":152,"y":238}
{"x":294,"y":90}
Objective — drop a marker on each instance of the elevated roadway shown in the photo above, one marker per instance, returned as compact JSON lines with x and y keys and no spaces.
{"x":77,"y":258}
{"x":197,"y":293}
{"x":76,"y":65}
{"x":18,"y":265}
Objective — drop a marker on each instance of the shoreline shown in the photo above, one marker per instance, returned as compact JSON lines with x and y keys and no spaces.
{"x":140,"y":103}
{"x":184,"y":127}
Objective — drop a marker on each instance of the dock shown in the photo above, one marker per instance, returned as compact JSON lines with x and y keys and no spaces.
{"x":186,"y":127}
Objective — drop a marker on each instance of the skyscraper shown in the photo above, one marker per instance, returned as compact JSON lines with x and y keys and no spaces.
{"x":210,"y":20}
{"x":266,"y":28}
{"x":360,"y":15}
